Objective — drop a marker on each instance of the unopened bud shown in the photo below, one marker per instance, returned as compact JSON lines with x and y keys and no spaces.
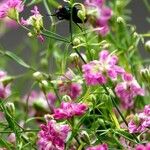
{"x":136,"y":119}
{"x":145,"y":74}
{"x":10,"y":107}
{"x":44,"y":85}
{"x":135,"y":35}
{"x":82,"y":15}
{"x":66,"y":98}
{"x":85,"y":137}
{"x":6,"y":80}
{"x":76,"y":42}
{"x":120,"y":20}
{"x":30,"y":34}
{"x":38,"y":76}
{"x":147,"y":46}
{"x":48,"y":117}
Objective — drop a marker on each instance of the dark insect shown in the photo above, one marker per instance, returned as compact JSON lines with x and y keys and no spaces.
{"x":64,"y":12}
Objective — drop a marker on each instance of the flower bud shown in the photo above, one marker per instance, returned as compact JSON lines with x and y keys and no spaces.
{"x":30,"y":34}
{"x":147,"y":46}
{"x":44,"y":85}
{"x":10,"y":107}
{"x":81,"y":14}
{"x":44,"y":62}
{"x":76,"y":42}
{"x":38,"y":76}
{"x":136,"y":119}
{"x":13,"y":14}
{"x":145,"y":74}
{"x":66,"y":98}
{"x":48,"y":117}
{"x":6,"y":80}
{"x":74,"y":56}
{"x":85,"y":137}
{"x":120,"y":20}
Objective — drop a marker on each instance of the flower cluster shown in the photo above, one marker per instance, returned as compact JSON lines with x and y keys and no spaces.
{"x":11,"y":9}
{"x":98,"y":71}
{"x":98,"y":15}
{"x":141,"y":121}
{"x":127,"y":90}
{"x":5,"y":90}
{"x":69,"y":109}
{"x":69,"y":86}
{"x":52,"y":136}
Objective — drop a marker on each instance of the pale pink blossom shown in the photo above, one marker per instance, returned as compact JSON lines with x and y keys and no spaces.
{"x":140,"y":122}
{"x":10,"y":6}
{"x":98,"y":71}
{"x":52,"y":136}
{"x":128,"y":90}
{"x":98,"y":15}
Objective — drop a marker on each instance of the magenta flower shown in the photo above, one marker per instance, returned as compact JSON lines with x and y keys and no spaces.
{"x":70,"y":85}
{"x":98,"y":71}
{"x":5,"y":90}
{"x":98,"y":15}
{"x":127,"y":90}
{"x":69,"y":109}
{"x":9,"y":8}
{"x":98,"y":147}
{"x":53,"y":136}
{"x":142,"y":147}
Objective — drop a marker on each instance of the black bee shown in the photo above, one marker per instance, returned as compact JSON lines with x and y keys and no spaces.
{"x":64,"y":12}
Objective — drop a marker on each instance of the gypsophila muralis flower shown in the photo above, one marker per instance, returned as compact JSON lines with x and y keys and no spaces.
{"x":98,"y":147}
{"x":127,"y":90}
{"x":52,"y":136}
{"x":69,"y":109}
{"x":98,"y":71}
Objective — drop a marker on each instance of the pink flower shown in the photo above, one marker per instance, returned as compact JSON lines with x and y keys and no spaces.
{"x":69,"y":109}
{"x":99,"y":15}
{"x":141,"y":121}
{"x":98,"y":71}
{"x":8,"y":8}
{"x":127,"y":90}
{"x":142,"y":147}
{"x":98,"y":147}
{"x":5,"y":90}
{"x":70,"y":85}
{"x":36,"y":22}
{"x":53,"y":136}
